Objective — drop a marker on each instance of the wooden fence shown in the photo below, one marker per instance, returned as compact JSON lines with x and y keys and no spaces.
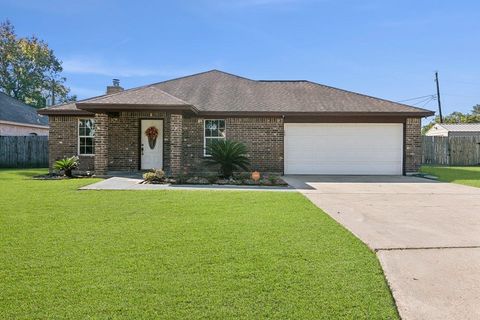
{"x":23,"y":152}
{"x":452,"y":151}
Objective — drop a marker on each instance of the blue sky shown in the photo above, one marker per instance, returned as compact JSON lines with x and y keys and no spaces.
{"x":388,"y":49}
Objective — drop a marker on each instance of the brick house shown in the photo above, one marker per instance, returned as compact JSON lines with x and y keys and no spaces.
{"x":289,"y":127}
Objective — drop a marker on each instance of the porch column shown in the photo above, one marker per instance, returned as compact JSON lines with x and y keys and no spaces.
{"x":176,"y":128}
{"x":101,"y":144}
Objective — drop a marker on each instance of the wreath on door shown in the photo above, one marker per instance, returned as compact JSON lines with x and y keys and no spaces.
{"x":152,"y":135}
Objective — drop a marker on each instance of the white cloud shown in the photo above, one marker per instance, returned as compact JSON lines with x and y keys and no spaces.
{"x":84,"y":65}
{"x":102,"y":67}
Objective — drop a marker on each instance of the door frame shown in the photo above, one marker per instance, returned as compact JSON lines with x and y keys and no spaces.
{"x":140,"y":142}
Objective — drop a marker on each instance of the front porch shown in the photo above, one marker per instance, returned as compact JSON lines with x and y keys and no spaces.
{"x":120,"y":144}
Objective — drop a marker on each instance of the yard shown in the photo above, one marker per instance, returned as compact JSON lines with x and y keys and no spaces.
{"x":469,"y":176}
{"x":66,"y":253}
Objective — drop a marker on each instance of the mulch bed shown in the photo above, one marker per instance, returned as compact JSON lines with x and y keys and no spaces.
{"x":276,"y":182}
{"x":54,"y":176}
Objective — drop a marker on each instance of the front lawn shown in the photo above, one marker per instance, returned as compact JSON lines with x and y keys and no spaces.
{"x":469,"y":176}
{"x":69,"y":254}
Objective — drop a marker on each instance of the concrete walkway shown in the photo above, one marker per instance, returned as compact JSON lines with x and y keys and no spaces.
{"x":120,"y":183}
{"x":426,"y":235}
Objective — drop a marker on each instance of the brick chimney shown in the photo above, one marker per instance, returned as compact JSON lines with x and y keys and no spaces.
{"x":115,"y":87}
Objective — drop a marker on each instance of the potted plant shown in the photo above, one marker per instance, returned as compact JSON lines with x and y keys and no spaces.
{"x":152,"y":135}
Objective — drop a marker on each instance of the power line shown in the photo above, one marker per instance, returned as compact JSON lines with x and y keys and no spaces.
{"x":426,"y":100}
{"x":423,"y":105}
{"x":427,"y":96}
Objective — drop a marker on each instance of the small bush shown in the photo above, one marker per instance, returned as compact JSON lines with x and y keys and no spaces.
{"x":149,"y":176}
{"x":154,"y":176}
{"x":67,"y":165}
{"x":159,"y":173}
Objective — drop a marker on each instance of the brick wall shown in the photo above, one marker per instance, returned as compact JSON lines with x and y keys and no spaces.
{"x":175,"y":152}
{"x":101,"y":144}
{"x":263,"y":137}
{"x":413,"y":144}
{"x":63,"y":141}
{"x":124,"y":139}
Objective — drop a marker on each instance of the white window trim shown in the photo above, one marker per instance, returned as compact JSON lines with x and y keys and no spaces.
{"x":205,"y":137}
{"x":78,"y":138}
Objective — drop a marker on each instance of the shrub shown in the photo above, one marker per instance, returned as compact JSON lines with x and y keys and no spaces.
{"x":155,"y":175}
{"x":229,"y":155}
{"x":159,"y":173}
{"x":67,"y":165}
{"x":149,"y":176}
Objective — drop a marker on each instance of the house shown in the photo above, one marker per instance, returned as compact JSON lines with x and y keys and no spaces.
{"x":20,"y":119}
{"x":289,"y":127}
{"x":454,"y":130}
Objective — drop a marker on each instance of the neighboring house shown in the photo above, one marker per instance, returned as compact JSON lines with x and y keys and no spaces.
{"x":19,"y":119}
{"x":454,"y":130}
{"x":290,"y":127}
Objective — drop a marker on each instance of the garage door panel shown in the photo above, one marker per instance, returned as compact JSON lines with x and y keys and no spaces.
{"x":343,"y":148}
{"x":379,"y":156}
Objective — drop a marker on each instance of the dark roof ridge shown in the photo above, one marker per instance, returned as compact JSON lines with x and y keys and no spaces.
{"x":200,"y":73}
{"x":281,"y":80}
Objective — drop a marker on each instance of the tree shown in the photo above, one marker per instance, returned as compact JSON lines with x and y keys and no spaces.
{"x":476,"y":109}
{"x":456,"y":117}
{"x":29,"y":70}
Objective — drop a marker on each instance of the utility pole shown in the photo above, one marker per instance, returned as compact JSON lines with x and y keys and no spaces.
{"x":438,"y":97}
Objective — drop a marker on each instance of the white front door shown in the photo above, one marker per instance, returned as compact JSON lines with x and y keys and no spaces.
{"x":344,"y":148}
{"x":151,"y":149}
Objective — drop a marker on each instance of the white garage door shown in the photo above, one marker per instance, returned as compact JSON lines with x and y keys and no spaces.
{"x":344,"y":148}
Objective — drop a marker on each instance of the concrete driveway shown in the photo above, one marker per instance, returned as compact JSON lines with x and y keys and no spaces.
{"x":426,"y":235}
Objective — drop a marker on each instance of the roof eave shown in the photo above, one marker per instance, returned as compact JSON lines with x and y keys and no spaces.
{"x":109,"y":107}
{"x":317,"y":113}
{"x":66,"y":112}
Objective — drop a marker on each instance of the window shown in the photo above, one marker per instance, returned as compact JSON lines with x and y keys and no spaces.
{"x":86,"y":137}
{"x":214,"y":130}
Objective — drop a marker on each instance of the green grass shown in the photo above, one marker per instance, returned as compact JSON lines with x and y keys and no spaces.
{"x":69,"y":254}
{"x":469,"y":176}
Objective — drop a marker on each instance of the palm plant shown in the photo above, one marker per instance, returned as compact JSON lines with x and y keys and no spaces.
{"x":229,"y":155}
{"x":67,"y":165}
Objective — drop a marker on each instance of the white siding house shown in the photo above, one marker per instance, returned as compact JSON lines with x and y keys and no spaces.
{"x":454,"y":130}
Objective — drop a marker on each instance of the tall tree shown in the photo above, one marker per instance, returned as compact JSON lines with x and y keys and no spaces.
{"x":29,"y":70}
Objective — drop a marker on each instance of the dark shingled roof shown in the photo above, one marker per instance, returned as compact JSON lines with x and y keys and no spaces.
{"x":218,"y":92}
{"x":16,"y":111}
{"x":149,"y":95}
